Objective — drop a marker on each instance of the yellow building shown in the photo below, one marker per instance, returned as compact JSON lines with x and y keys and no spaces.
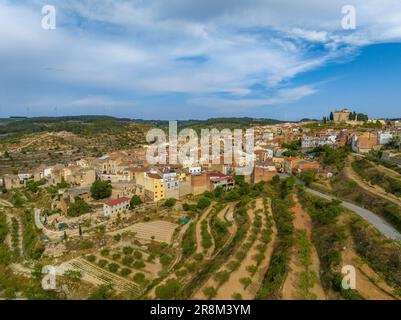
{"x":154,"y":186}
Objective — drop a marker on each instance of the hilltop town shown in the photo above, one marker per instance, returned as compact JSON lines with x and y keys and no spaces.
{"x":112,"y":225}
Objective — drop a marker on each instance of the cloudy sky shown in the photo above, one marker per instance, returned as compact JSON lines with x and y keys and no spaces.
{"x":180,"y":59}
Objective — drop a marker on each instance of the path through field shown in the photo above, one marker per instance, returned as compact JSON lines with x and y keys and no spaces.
{"x":204,"y":217}
{"x":233,"y":285}
{"x":302,"y":221}
{"x":375,"y":189}
{"x":368,"y":282}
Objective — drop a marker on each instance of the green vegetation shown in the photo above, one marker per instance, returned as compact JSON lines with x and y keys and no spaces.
{"x":332,"y":158}
{"x":210,"y":292}
{"x":168,"y":291}
{"x":128,"y":250}
{"x":76,"y":124}
{"x":165,"y":260}
{"x":139,"y":278}
{"x":15,"y":239}
{"x":358,"y":116}
{"x":308,"y":177}
{"x":369,"y":172}
{"x":5,"y":254}
{"x":127,"y":261}
{"x":293,"y":149}
{"x":73,"y":275}
{"x":125,"y":272}
{"x":347,"y":189}
{"x":211,"y":266}
{"x":278,"y":268}
{"x":135,"y":201}
{"x":246,"y":282}
{"x":102,"y":263}
{"x":329,"y":238}
{"x":206,"y":237}
{"x":170,"y":202}
{"x":91,"y":258}
{"x":382,"y":255}
{"x":113,"y":267}
{"x":376,"y":158}
{"x":78,"y":208}
{"x":189,"y":240}
{"x":33,"y":249}
{"x":3,"y":227}
{"x":33,"y":186}
{"x":203,"y":203}
{"x":137,"y":254}
{"x":219,"y":229}
{"x":307,"y":277}
{"x":139,"y":264}
{"x":103,"y":292}
{"x":101,"y":189}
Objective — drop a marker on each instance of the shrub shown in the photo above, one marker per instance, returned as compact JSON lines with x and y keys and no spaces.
{"x":139,"y":278}
{"x":237,"y":296}
{"x":113,"y":267}
{"x":127,"y":261}
{"x":221,"y":276}
{"x":137,"y":254}
{"x":78,"y":208}
{"x":91,"y":258}
{"x":139,"y":264}
{"x":198,"y":257}
{"x":170,"y":202}
{"x":102,"y":263}
{"x":101,"y":189}
{"x":135,"y":201}
{"x":116,"y":256}
{"x":128,"y":250}
{"x":171,"y":290}
{"x":165,"y":260}
{"x":203,"y":203}
{"x":125,"y":272}
{"x":210,"y":292}
{"x":246,"y":282}
{"x":189,"y":241}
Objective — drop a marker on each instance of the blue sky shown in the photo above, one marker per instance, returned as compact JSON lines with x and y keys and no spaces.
{"x":181,"y":59}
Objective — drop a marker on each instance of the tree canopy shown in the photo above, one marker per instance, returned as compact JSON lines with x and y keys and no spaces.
{"x":101,"y":189}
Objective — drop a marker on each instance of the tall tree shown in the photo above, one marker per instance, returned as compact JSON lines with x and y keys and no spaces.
{"x":101,"y":189}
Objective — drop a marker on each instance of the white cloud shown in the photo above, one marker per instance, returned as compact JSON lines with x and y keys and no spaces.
{"x":132,"y":48}
{"x":282,"y":96}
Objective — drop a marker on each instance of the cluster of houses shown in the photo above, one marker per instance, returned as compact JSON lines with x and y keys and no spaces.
{"x":130,"y":174}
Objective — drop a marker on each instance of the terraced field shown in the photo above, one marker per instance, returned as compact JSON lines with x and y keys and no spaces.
{"x":254,"y":264}
{"x":99,"y":276}
{"x":304,"y":263}
{"x":161,"y":231}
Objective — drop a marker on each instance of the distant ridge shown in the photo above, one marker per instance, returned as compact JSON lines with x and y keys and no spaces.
{"x":102,"y":123}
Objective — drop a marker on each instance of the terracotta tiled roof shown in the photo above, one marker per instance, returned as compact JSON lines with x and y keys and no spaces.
{"x":154,"y":176}
{"x":115,"y":202}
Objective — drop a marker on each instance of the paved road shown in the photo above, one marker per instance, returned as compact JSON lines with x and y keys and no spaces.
{"x":382,"y":225}
{"x":378,"y":222}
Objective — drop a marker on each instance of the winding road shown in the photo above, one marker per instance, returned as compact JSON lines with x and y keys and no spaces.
{"x":382,"y":225}
{"x":378,"y":222}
